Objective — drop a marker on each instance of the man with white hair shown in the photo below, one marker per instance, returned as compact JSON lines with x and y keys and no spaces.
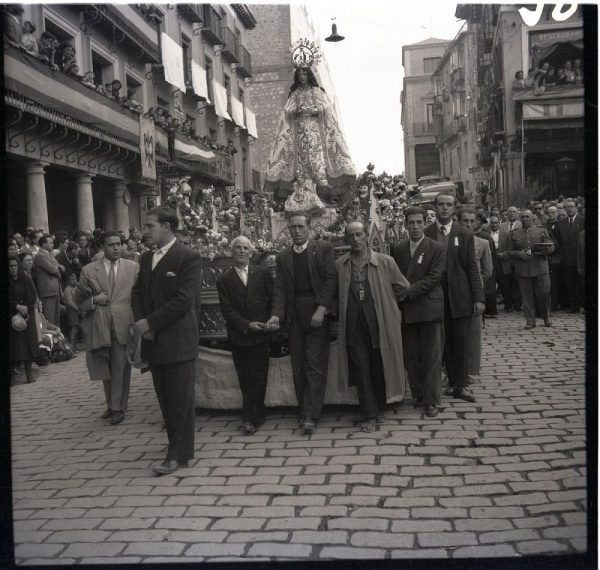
{"x":245,"y":293}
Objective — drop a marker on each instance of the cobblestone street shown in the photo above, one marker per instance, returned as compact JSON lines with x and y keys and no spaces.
{"x":505,"y":476}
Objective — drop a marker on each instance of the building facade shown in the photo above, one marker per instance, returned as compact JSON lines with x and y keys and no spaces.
{"x":279,"y":26}
{"x":106,"y":105}
{"x":529,"y":130}
{"x":421,"y":158}
{"x":454,"y":85}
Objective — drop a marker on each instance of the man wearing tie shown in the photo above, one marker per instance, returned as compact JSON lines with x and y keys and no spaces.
{"x":163,"y":302}
{"x":423,"y":262}
{"x":104,"y":296}
{"x":513,"y":222}
{"x":245,"y":293}
{"x":304,"y":289}
{"x":463,"y":292}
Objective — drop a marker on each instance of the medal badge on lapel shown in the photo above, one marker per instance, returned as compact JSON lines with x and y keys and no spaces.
{"x":420,"y":260}
{"x":455,"y":241}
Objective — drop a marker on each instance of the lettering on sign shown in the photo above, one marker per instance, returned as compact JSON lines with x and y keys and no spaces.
{"x":532,"y":17}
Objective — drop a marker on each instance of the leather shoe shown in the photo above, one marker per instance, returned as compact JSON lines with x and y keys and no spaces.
{"x":248,"y":428}
{"x":418,"y":402}
{"x":107,"y":414}
{"x":463,"y":394}
{"x":548,"y":323}
{"x":307,"y":425}
{"x":169,"y":466}
{"x":431,"y":411}
{"x":529,"y":326}
{"x":117,"y":418}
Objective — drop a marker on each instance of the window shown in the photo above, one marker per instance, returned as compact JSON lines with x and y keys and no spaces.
{"x":135,"y":86}
{"x":429,"y":111}
{"x":102,"y":68}
{"x":427,"y":160}
{"x":63,"y":37}
{"x":187,"y":60}
{"x":208,"y":64}
{"x":430,"y":63}
{"x":213,"y":134}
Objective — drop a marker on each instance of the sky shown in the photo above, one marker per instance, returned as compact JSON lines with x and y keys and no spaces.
{"x":366,"y":68}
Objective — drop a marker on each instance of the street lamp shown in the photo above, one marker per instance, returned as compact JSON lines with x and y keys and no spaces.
{"x":334,"y":37}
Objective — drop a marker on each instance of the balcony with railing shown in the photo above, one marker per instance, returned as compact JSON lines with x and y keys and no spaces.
{"x":211,"y":31}
{"x":422,"y":129}
{"x":244,"y":69}
{"x":230,"y":45}
{"x":457,"y":79}
{"x":192,"y":12}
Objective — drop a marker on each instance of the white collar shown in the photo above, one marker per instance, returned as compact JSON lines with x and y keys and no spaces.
{"x":448,"y":226}
{"x":166,"y":247}
{"x":301,"y":248}
{"x":241,"y":269}
{"x":415,"y":244}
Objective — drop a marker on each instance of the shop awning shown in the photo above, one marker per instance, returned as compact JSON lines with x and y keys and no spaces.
{"x":193,"y":153}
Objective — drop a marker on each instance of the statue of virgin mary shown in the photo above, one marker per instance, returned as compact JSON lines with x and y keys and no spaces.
{"x":308,"y":141}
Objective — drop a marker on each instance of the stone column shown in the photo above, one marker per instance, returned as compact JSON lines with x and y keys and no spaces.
{"x":85,"y":202}
{"x":37,"y":207}
{"x":121,"y":209}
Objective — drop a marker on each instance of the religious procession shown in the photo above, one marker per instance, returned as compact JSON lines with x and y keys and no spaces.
{"x":187,"y":206}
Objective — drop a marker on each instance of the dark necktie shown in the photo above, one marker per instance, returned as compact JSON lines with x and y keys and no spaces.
{"x":111,"y":278}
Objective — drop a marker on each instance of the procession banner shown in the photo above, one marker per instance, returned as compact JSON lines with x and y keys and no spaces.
{"x":199,"y":82}
{"x":147,"y":147}
{"x":172,"y":58}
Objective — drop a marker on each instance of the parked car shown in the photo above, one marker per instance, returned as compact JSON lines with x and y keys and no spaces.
{"x":430,"y":186}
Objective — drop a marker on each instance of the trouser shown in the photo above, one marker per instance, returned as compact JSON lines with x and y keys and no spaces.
{"x":116,"y":388}
{"x":423,"y":348}
{"x":535,"y":289}
{"x":474,"y":345}
{"x":174,"y":386}
{"x":555,"y":292}
{"x":365,"y":371}
{"x":455,"y":348}
{"x":512,"y":296}
{"x":51,"y":309}
{"x":571,"y":287}
{"x":309,"y":351}
{"x":252,"y":367}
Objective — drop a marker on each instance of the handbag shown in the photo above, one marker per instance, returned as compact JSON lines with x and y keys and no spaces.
{"x":18,"y":322}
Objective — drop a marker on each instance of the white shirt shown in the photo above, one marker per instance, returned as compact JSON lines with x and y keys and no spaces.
{"x":242,"y":274}
{"x":448,"y":227}
{"x":495,"y":236}
{"x":160,"y":252}
{"x":414,"y":245}
{"x":107,"y":266}
{"x":301,"y":248}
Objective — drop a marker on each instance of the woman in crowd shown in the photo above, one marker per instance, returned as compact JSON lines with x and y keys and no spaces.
{"x":26,"y":259}
{"x":22,"y":298}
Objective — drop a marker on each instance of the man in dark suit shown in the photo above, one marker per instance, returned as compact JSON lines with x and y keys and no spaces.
{"x":423,"y":262}
{"x":506,"y":277}
{"x":163,"y":307}
{"x":304,"y":289}
{"x":463,"y":292}
{"x":556,"y":277}
{"x":245,"y":294}
{"x":567,"y":237}
{"x":69,"y":260}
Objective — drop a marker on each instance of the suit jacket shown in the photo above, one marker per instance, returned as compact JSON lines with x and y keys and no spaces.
{"x":240,"y":304}
{"x":323,"y":278}
{"x":551,"y":227}
{"x":523,"y":240}
{"x":119,"y":301}
{"x":424,"y":270}
{"x":505,"y":225}
{"x":70,"y":267}
{"x":47,"y":274}
{"x":567,"y":237}
{"x":166,"y":297}
{"x":581,"y":253}
{"x":463,"y":286}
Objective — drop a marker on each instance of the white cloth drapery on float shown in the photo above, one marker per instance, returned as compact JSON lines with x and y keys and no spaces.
{"x":172,"y":59}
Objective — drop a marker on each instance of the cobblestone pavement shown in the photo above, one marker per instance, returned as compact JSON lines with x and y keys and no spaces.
{"x":505,"y":476}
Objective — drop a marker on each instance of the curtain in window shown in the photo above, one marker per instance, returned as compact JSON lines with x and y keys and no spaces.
{"x":542,"y":45}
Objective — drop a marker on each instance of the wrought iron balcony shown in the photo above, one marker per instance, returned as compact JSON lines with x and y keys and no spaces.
{"x":422,"y":129}
{"x":192,"y":12}
{"x":104,"y":17}
{"x":211,"y":30}
{"x":230,"y":43}
{"x":244,"y":69}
